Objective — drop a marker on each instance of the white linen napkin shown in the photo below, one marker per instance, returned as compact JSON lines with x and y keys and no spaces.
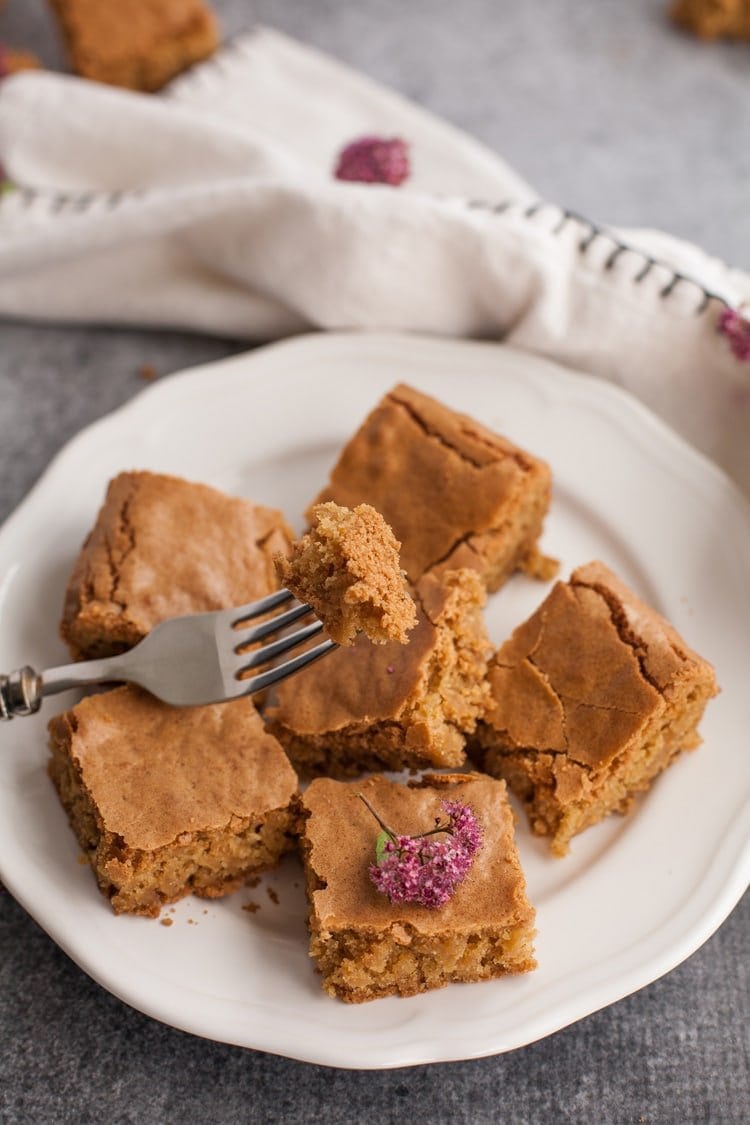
{"x":214,"y":207}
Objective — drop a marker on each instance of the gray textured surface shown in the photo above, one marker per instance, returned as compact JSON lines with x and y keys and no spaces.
{"x":604,"y":108}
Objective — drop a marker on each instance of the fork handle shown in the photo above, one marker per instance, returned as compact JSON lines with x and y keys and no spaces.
{"x":22,"y":691}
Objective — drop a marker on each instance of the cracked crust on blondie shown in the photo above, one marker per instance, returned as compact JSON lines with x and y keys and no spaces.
{"x":393,"y":706}
{"x":455,"y":494}
{"x":347,"y":568}
{"x":160,"y":547}
{"x":593,"y":696}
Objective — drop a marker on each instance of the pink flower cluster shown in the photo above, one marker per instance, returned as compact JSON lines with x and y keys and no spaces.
{"x":736,"y":328}
{"x":374,"y":160}
{"x":425,"y":870}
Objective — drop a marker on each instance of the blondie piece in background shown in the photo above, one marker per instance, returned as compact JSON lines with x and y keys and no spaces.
{"x":347,"y":568}
{"x":713,"y":19}
{"x":593,"y":696}
{"x":168,"y":801}
{"x":139,"y":44}
{"x":365,"y":945}
{"x":455,"y":494}
{"x":393,"y":706}
{"x":13,"y":61}
{"x":161,"y":547}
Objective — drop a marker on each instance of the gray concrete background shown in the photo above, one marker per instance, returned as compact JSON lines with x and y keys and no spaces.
{"x":606,"y":109}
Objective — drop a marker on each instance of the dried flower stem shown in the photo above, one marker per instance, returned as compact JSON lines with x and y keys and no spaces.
{"x":378,"y":817}
{"x":393,"y":835}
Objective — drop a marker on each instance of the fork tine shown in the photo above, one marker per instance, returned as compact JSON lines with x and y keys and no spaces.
{"x":263,"y":605}
{"x":276,"y":648}
{"x":281,"y":671}
{"x":244,"y":637}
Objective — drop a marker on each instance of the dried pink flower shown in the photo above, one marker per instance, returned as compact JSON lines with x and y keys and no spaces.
{"x":736,"y":328}
{"x":374,"y":160}
{"x":422,"y":869}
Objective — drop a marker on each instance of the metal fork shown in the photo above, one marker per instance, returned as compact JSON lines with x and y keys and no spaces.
{"x":184,"y":661}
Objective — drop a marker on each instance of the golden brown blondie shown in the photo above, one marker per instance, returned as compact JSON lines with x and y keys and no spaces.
{"x":139,"y":44}
{"x":366,"y":946}
{"x":168,"y":801}
{"x":393,"y":706}
{"x":160,"y":547}
{"x":713,"y":19}
{"x":593,"y":696}
{"x":455,"y":494}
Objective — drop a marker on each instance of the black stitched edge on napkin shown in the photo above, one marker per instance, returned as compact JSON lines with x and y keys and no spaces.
{"x":70,"y":201}
{"x":593,"y":232}
{"x":82,"y":201}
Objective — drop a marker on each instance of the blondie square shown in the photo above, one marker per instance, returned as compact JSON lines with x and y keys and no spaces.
{"x":161,"y":547}
{"x":713,"y":19}
{"x":347,"y":568}
{"x":593,"y":696}
{"x":169,"y":801}
{"x":139,"y":44}
{"x":364,"y":945}
{"x":393,"y":706}
{"x":455,"y":494}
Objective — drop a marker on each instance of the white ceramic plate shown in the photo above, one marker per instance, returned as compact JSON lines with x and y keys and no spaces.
{"x":635,"y":896}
